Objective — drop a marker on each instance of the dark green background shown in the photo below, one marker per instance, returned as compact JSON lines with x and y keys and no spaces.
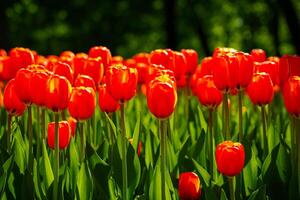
{"x":131,"y":26}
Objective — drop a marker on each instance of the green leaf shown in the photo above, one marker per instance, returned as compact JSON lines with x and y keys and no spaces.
{"x":223,"y":195}
{"x":85,"y":182}
{"x":74,"y":164}
{"x":136,"y":133}
{"x":283,"y":164}
{"x":47,"y":172}
{"x":20,"y":155}
{"x":269,"y":164}
{"x":259,"y":194}
{"x":111,"y":123}
{"x":148,"y":151}
{"x":204,"y":175}
{"x":11,"y":187}
{"x":35,"y":180}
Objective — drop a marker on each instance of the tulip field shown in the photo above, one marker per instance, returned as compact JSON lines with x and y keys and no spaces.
{"x":159,"y":125}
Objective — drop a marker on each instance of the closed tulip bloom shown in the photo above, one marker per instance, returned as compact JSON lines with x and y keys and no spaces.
{"x":230,"y":158}
{"x":79,"y":63}
{"x":23,"y":86}
{"x":121,"y":82}
{"x":63,"y":69}
{"x":222,"y":51}
{"x":206,"y":67}
{"x":12,"y":103}
{"x":181,"y":82}
{"x":22,"y":57}
{"x":82,"y":103}
{"x":260,"y":90}
{"x":194,"y":79}
{"x":103,"y":52}
{"x":141,"y":58}
{"x":64,"y":133}
{"x":288,"y":66}
{"x":40,"y":81}
{"x":191,"y":57}
{"x":269,"y":67}
{"x":179,"y":64}
{"x":58,"y":93}
{"x":291,"y":95}
{"x":106,"y":102}
{"x":142,"y":69}
{"x":116,"y":60}
{"x":208,"y":94}
{"x":84,"y":80}
{"x":225,"y":72}
{"x":3,"y":52}
{"x":161,"y":96}
{"x":72,"y":122}
{"x":160,"y":57}
{"x":130,"y":63}
{"x":67,"y":53}
{"x":152,"y":72}
{"x":258,"y":55}
{"x":7,"y":72}
{"x":94,"y":69}
{"x":245,"y":71}
{"x":189,"y":187}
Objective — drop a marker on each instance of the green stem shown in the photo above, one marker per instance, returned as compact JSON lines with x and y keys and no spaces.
{"x":38,"y":140}
{"x":231,"y":187}
{"x":56,"y":157}
{"x":9,"y":132}
{"x":163,"y":137}
{"x":43,"y":124}
{"x":293,"y":147}
{"x":82,"y":141}
{"x":297,"y":148}
{"x":226,"y":116}
{"x":240,"y":96}
{"x":264,"y":126}
{"x":30,"y":137}
{"x":124,"y":153}
{"x":211,"y":142}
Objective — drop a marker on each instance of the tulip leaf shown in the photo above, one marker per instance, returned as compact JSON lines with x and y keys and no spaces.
{"x":204,"y":175}
{"x":47,"y":170}
{"x":283,"y":164}
{"x":223,"y":195}
{"x":35,"y":180}
{"x":11,"y":187}
{"x":269,"y":164}
{"x":148,"y":150}
{"x":20,"y":156}
{"x":259,"y":194}
{"x":136,"y":133}
{"x":85,"y":182}
{"x":74,"y":163}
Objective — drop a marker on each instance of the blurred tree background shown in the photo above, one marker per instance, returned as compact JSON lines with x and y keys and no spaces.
{"x":131,"y":26}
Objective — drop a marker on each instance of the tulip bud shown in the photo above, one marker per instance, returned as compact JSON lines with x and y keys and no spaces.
{"x":64,"y":132}
{"x":85,"y":81}
{"x":191,"y":57}
{"x":258,"y":55}
{"x":291,"y":95}
{"x":103,"y":52}
{"x":106,"y":102}
{"x":189,"y":187}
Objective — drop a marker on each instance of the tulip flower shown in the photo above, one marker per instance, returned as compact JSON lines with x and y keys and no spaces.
{"x":103,"y":52}
{"x":72,"y":122}
{"x":142,"y":70}
{"x":106,"y":102}
{"x":291,"y":96}
{"x":191,"y":57}
{"x":189,"y":187}
{"x":94,"y":69}
{"x":79,"y":63}
{"x":131,"y":63}
{"x":141,"y":58}
{"x":3,"y":52}
{"x":82,"y":103}
{"x":121,"y":82}
{"x":68,"y":53}
{"x":85,"y":81}
{"x":40,"y":79}
{"x":23,"y":86}
{"x":161,"y":57}
{"x":13,"y":105}
{"x":20,"y":58}
{"x":63,"y":69}
{"x":64,"y":132}
{"x":288,"y":66}
{"x":230,"y":159}
{"x":258,"y":55}
{"x":116,"y":60}
{"x":179,"y":64}
{"x":270,"y":67}
{"x":161,"y":100}
{"x":222,"y":51}
{"x":152,"y":72}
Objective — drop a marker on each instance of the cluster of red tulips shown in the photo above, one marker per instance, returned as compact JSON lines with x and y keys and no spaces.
{"x":72,"y":82}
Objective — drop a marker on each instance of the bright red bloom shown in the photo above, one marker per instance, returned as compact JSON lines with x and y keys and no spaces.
{"x":291,"y":95}
{"x":69,"y":54}
{"x":116,"y":60}
{"x":189,"y":187}
{"x":288,"y":66}
{"x":23,"y":86}
{"x":179,"y":64}
{"x":142,"y":69}
{"x":84,"y":80}
{"x":79,"y":63}
{"x":121,"y":82}
{"x":7,"y":72}
{"x":161,"y":57}
{"x":106,"y":102}
{"x":161,"y":96}
{"x":12,"y":103}
{"x":40,"y":80}
{"x":141,"y":58}
{"x":94,"y":69}
{"x":64,"y":133}
{"x":206,"y":67}
{"x":260,"y":90}
{"x":153,"y":69}
{"x":245,"y":71}
{"x":193,"y":80}
{"x":270,"y":68}
{"x":82,"y":103}
{"x":72,"y":122}
{"x":230,"y":158}
{"x":22,"y":57}
{"x":58,"y":93}
{"x":63,"y":69}
{"x":258,"y":55}
{"x":208,"y":94}
{"x":191,"y":57}
{"x":3,"y":52}
{"x":181,"y":82}
{"x":225,"y":72}
{"x":129,"y":63}
{"x":103,"y":52}
{"x":222,"y":51}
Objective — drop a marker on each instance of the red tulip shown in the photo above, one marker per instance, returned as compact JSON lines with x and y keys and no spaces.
{"x":288,"y":66}
{"x":69,"y":54}
{"x":142,"y":69}
{"x":129,"y":63}
{"x":116,"y":60}
{"x":152,"y":72}
{"x":22,"y":57}
{"x":84,"y":80}
{"x":103,"y":52}
{"x":63,"y":69}
{"x":207,"y":65}
{"x":258,"y":55}
{"x":82,"y":103}
{"x":245,"y":71}
{"x":189,"y":187}
{"x":23,"y":86}
{"x":12,"y":103}
{"x":3,"y":52}
{"x":7,"y":72}
{"x":141,"y":58}
{"x":64,"y":132}
{"x":230,"y":158}
{"x":179,"y":64}
{"x":191,"y":57}
{"x":58,"y":93}
{"x":121,"y":82}
{"x":208,"y":94}
{"x":222,"y":51}
{"x":260,"y":90}
{"x":291,"y":95}
{"x":181,"y":82}
{"x":269,"y":67}
{"x":40,"y":80}
{"x":79,"y":63}
{"x":193,"y":80}
{"x":94,"y":69}
{"x":225,"y":72}
{"x":72,"y":122}
{"x":106,"y":102}
{"x":161,"y":96}
{"x":161,"y":57}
